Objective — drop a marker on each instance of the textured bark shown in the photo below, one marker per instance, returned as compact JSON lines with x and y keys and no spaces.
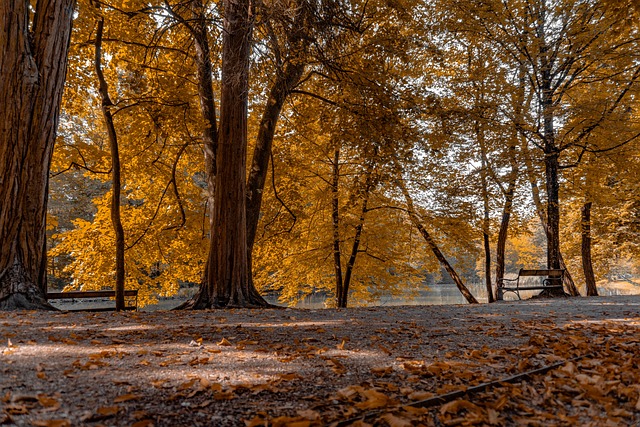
{"x":434,"y":247}
{"x":280,"y":90}
{"x":199,"y":30}
{"x":116,"y":184}
{"x":32,"y":75}
{"x":587,"y":265}
{"x":228,"y":281}
{"x":335,"y":222}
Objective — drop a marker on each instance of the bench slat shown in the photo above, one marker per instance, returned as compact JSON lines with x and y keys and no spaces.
{"x":531,"y":288}
{"x":548,"y":273}
{"x":89,"y":294}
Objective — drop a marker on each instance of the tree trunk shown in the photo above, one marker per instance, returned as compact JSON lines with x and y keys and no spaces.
{"x":116,"y":185}
{"x":32,"y":74}
{"x":335,"y":221}
{"x":228,"y":281}
{"x":587,"y":265}
{"x":284,"y":83}
{"x":434,"y":247}
{"x":485,"y":206}
{"x":356,"y":241}
{"x":199,"y":30}
{"x":535,"y":193}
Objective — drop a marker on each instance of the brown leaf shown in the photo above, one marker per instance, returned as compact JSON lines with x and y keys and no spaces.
{"x":51,"y":423}
{"x":457,"y":406}
{"x":108,"y":410}
{"x":395,"y":421}
{"x":126,"y":398}
{"x":48,"y":402}
{"x":143,"y":423}
{"x":374,"y":399}
{"x":225,"y":342}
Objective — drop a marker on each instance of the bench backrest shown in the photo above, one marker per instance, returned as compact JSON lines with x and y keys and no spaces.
{"x":546,"y":273}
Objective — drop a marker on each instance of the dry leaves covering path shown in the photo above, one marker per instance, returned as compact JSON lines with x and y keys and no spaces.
{"x":363,"y":366}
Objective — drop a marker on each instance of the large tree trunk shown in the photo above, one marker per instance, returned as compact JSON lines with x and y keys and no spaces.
{"x":434,"y":247}
{"x":587,"y":265}
{"x":228,"y":281}
{"x":32,"y":75}
{"x":116,"y":219}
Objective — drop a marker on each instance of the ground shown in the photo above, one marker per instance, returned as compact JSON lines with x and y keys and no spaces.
{"x":361,"y":366}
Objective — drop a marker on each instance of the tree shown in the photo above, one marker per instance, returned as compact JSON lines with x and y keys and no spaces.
{"x":116,"y":182}
{"x":228,"y":273}
{"x":33,"y":56}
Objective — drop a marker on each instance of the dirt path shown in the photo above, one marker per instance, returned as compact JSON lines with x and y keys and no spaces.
{"x":317,"y":367}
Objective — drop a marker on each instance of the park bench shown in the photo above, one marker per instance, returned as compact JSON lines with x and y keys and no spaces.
{"x":553,"y":280}
{"x":130,"y":298}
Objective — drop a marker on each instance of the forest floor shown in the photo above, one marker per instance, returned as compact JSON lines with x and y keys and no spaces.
{"x":377,"y":366}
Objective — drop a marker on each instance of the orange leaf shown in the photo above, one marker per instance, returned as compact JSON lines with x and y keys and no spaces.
{"x":51,"y":423}
{"x":225,"y":342}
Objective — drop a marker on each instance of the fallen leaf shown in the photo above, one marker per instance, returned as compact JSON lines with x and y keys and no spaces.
{"x":108,"y":410}
{"x":143,"y":423}
{"x":51,"y":423}
{"x":395,"y":421}
{"x":48,"y":402}
{"x":126,"y":398}
{"x":225,"y":342}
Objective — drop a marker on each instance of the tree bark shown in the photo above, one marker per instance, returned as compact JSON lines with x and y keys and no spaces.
{"x":535,"y":194}
{"x":335,"y":222}
{"x":434,"y":247}
{"x":204,"y":68}
{"x":587,"y":265}
{"x":228,"y":267}
{"x":485,"y":206}
{"x":351,"y":263}
{"x":32,"y":75}
{"x":116,"y":184}
{"x":280,"y":90}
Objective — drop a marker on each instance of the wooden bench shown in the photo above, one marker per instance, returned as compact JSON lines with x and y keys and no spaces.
{"x":130,"y":298}
{"x":553,"y":280}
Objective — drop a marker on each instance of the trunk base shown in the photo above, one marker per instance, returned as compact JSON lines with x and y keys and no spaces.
{"x":25,"y":301}
{"x":18,"y":292}
{"x":202,"y":301}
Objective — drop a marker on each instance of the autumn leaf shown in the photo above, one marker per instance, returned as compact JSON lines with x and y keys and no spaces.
{"x":108,"y":410}
{"x":126,"y":398}
{"x":458,"y":405}
{"x":374,"y":399}
{"x":396,"y":421}
{"x":225,"y":343}
{"x":51,"y":423}
{"x":50,"y":403}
